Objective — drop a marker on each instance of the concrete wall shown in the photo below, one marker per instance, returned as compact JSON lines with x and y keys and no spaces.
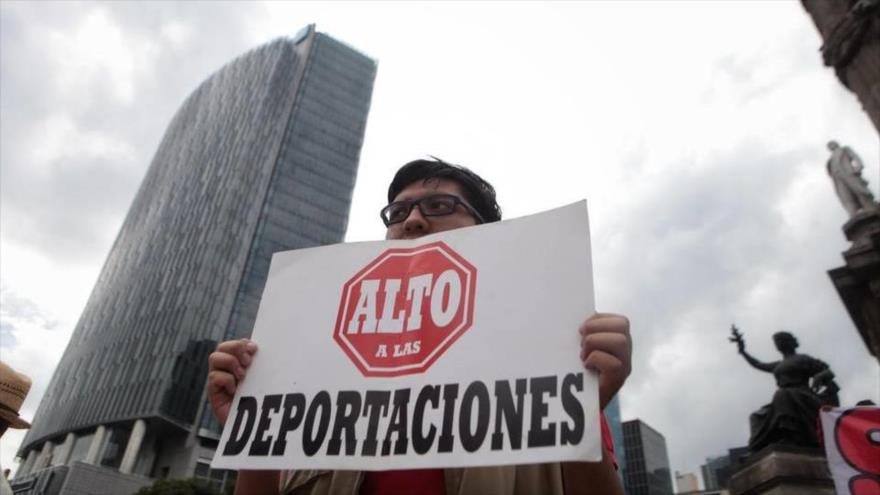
{"x":80,"y":478}
{"x":86,"y":479}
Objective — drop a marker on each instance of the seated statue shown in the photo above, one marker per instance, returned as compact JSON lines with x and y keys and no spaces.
{"x":805,"y":385}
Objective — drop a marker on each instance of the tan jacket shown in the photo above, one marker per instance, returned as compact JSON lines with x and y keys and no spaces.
{"x":529,"y":479}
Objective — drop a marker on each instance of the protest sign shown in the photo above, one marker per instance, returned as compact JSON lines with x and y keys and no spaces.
{"x":456,"y":349}
{"x":852,"y":447}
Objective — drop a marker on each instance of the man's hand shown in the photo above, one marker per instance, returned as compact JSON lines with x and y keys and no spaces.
{"x":227,"y":367}
{"x":606,"y":347}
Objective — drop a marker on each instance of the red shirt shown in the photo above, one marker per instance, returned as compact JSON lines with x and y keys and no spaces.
{"x":410,"y":481}
{"x":431,"y":481}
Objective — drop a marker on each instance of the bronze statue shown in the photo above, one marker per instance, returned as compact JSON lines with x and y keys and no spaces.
{"x":805,"y":384}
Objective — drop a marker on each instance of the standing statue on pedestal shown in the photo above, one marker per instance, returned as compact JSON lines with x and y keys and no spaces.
{"x":845,"y":169}
{"x":805,"y":384}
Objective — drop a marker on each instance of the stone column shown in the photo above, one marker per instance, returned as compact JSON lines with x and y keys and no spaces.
{"x":858,"y":281}
{"x":62,"y":453}
{"x":133,"y":447}
{"x":851,"y":45}
{"x":44,"y":457}
{"x":28,"y":464}
{"x":96,"y":446}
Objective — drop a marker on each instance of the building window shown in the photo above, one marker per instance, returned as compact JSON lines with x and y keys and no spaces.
{"x":221,"y":479}
{"x":115,"y":447}
{"x":80,"y":447}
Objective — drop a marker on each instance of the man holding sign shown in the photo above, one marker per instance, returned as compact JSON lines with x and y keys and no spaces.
{"x":427,"y":197}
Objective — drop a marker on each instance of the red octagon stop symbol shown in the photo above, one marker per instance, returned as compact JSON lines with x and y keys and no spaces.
{"x":402,"y":311}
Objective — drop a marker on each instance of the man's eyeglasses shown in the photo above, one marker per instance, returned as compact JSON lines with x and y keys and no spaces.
{"x":431,"y":206}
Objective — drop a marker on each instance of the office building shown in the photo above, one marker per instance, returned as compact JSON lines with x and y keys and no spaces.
{"x":718,"y":470}
{"x":261,"y":157}
{"x":647,"y":463}
{"x":686,"y":482}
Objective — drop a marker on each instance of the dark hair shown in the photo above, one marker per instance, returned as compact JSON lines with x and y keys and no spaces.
{"x":478,"y":193}
{"x":785,"y":336}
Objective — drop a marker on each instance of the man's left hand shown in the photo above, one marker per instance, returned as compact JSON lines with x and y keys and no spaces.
{"x":606,"y":347}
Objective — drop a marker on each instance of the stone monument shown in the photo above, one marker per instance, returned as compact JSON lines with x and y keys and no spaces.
{"x":784,"y":454}
{"x":850,"y":31}
{"x":858,"y":281}
{"x":845,"y":168}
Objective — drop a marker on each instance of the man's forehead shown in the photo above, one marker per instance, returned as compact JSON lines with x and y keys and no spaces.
{"x":431,"y":185}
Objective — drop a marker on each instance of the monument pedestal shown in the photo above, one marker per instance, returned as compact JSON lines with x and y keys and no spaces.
{"x":858,"y":282}
{"x":779,"y":470}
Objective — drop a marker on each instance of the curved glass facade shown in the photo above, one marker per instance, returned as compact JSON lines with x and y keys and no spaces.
{"x":261,"y":157}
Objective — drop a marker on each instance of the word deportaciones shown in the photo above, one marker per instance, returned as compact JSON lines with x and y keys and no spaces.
{"x":466,"y":430}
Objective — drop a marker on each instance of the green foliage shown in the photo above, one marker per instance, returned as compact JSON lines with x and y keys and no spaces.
{"x":190,"y":486}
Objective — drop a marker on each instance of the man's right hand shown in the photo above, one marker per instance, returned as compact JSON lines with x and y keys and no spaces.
{"x":227,"y":367}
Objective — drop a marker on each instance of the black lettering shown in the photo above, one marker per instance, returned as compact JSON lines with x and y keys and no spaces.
{"x":348,"y":408}
{"x":238,"y":437}
{"x":312,"y":443}
{"x":538,"y":436}
{"x":479,"y":393}
{"x":513,"y":414}
{"x":422,"y":444}
{"x":375,"y":403}
{"x":398,"y":425}
{"x":295,"y":403}
{"x":261,"y":444}
{"x":450,"y":394}
{"x":571,"y":405}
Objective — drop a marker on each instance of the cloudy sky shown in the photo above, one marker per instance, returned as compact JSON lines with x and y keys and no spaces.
{"x":695,"y":130}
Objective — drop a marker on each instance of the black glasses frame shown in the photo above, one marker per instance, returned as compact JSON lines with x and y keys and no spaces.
{"x":410,"y":203}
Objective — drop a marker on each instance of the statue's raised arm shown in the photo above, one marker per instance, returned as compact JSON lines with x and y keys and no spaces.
{"x":737,"y":337}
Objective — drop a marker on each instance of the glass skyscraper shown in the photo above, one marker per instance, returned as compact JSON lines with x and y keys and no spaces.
{"x":647,"y":463}
{"x":261,"y":157}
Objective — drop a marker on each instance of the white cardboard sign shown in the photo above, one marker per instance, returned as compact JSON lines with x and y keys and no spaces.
{"x":455,"y":349}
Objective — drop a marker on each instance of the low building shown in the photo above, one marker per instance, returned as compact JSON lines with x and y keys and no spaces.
{"x":717,"y":470}
{"x":647,"y":462}
{"x":686,"y":482}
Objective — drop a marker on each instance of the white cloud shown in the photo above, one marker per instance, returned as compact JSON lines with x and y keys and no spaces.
{"x":98,"y":50}
{"x":58,"y":137}
{"x":176,"y":33}
{"x":31,"y":342}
